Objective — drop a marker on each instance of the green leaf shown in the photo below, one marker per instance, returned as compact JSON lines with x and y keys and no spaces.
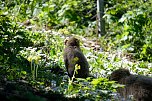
{"x":23,"y":72}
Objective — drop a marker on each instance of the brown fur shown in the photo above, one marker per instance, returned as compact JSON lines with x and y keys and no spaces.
{"x":71,"y":52}
{"x":138,"y":86}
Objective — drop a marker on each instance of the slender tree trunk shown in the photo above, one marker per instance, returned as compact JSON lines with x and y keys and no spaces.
{"x":100,"y":20}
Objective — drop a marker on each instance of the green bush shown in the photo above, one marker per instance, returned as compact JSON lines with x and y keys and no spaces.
{"x":132,"y":30}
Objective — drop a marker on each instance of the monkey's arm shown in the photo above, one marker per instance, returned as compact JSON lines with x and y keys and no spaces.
{"x":66,"y":62}
{"x":67,"y":65}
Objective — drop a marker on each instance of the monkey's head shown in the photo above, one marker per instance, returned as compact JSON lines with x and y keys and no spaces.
{"x":119,"y":74}
{"x":72,"y":42}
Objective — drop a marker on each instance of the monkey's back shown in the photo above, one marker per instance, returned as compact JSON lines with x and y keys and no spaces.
{"x":72,"y":56}
{"x":137,"y":85}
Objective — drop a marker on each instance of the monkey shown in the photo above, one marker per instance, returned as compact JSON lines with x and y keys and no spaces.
{"x":137,"y":85}
{"x":72,"y":56}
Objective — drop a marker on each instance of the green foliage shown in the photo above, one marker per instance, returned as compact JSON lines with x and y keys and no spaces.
{"x":71,"y":15}
{"x":12,"y":39}
{"x":32,"y":34}
{"x":92,"y":89}
{"x":132,"y":30}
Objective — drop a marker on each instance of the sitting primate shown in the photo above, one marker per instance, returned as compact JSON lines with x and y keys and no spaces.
{"x":138,"y":86}
{"x":72,"y":56}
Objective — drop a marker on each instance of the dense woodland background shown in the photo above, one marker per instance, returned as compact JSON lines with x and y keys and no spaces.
{"x":32,"y":34}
